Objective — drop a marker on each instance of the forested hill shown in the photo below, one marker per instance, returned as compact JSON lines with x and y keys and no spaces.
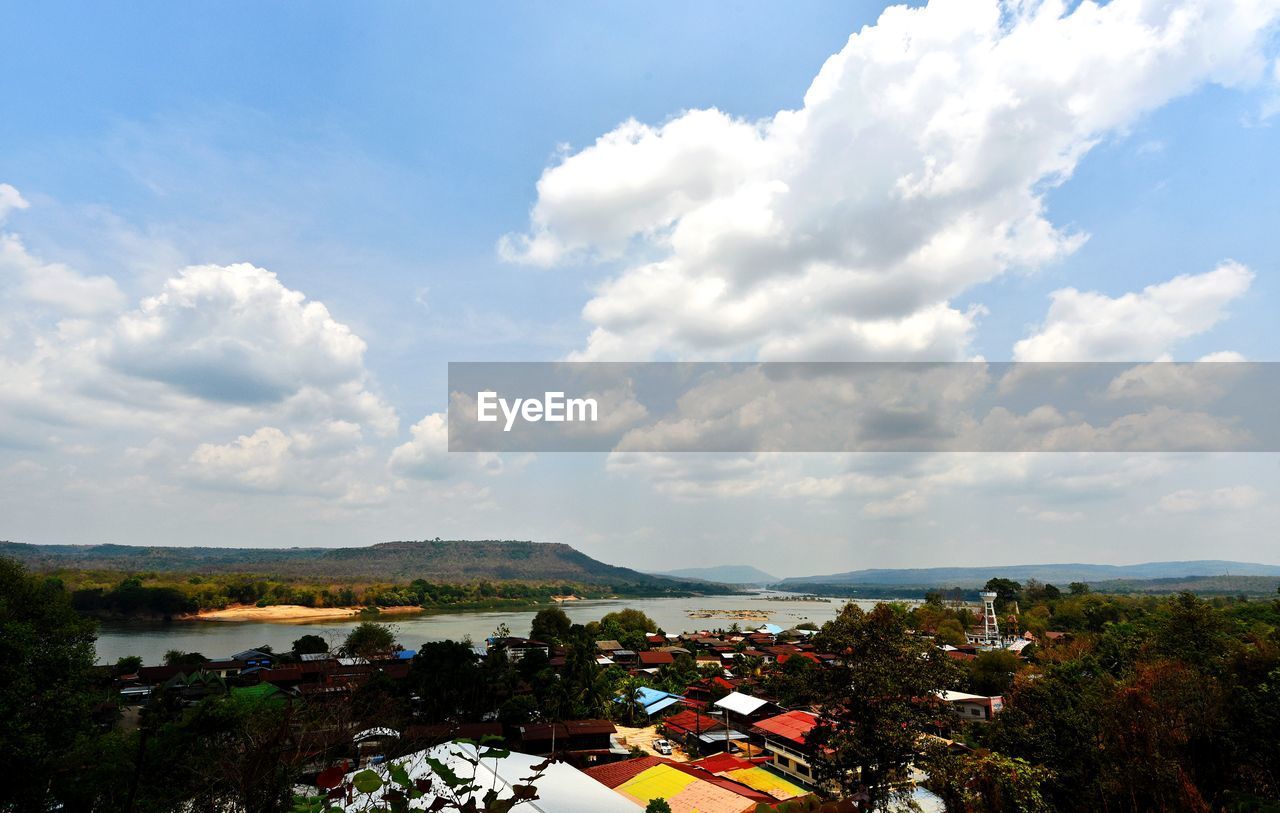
{"x":1059,"y":573}
{"x":432,"y":560}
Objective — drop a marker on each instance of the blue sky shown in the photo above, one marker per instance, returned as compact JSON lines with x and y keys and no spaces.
{"x":372,"y":156}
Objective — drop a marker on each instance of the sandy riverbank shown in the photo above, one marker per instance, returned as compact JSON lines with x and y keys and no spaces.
{"x":293,"y":612}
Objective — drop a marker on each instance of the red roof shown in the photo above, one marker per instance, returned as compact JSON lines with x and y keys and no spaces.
{"x":792,"y":725}
{"x":655,"y":658}
{"x":689,"y":721}
{"x":719,"y":763}
{"x":786,"y":656}
{"x":616,"y":773}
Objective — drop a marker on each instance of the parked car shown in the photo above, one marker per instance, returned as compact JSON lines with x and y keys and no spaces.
{"x":662,"y":747}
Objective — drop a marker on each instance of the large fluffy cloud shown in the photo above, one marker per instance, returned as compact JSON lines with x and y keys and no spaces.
{"x":225,"y":377}
{"x":915,"y":169}
{"x":236,"y":335}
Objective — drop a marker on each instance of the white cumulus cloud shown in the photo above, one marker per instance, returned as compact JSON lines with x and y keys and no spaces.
{"x":1090,"y":326}
{"x":915,"y":169}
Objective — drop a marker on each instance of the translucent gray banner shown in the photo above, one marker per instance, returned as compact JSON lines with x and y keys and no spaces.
{"x":863,"y":407}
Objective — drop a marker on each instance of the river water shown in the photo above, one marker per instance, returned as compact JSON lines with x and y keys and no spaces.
{"x":220,"y":639}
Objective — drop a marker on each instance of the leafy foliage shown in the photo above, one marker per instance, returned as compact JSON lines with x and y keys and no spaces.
{"x":46,"y":694}
{"x":876,"y":700}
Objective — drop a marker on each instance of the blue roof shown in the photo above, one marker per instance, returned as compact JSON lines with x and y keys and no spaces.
{"x":772,"y":629}
{"x":655,"y":700}
{"x":406,"y":654}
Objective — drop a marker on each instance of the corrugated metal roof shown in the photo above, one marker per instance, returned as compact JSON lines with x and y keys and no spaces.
{"x":740,"y":703}
{"x":793,"y":725}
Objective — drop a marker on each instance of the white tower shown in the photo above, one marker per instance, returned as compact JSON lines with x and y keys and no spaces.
{"x":990,"y":626}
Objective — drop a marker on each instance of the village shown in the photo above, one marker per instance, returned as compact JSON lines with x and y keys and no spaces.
{"x":697,"y":721}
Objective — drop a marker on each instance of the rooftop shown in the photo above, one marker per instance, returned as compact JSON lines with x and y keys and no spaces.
{"x":791,"y":725}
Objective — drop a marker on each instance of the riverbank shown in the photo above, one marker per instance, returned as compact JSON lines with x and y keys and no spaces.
{"x":275,"y":613}
{"x":151,"y":639}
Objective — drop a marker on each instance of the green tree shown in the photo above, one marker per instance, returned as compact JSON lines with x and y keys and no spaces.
{"x":950,"y":632}
{"x":630,"y":620}
{"x":876,"y":700}
{"x":128,"y":665}
{"x":46,"y":694}
{"x":657,"y":806}
{"x":187,"y":660}
{"x":369,"y":639}
{"x":309,"y":644}
{"x":447,"y":680}
{"x":986,"y":782}
{"x":550,"y":625}
{"x":1006,"y":590}
{"x":1056,"y":721}
{"x":991,"y":673}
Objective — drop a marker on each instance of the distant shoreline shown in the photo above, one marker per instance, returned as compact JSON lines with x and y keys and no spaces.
{"x":292,"y":612}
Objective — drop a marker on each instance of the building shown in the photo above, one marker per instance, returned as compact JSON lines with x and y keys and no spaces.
{"x":743,"y":710}
{"x":687,"y":789}
{"x":654,"y":701}
{"x":516,"y":648}
{"x":654,"y":659}
{"x":582,"y":742}
{"x":752,"y":773}
{"x":700,"y":733}
{"x":785,"y":739}
{"x":973,"y":706}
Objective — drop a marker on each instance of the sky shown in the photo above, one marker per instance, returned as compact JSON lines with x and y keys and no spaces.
{"x":240,"y":244}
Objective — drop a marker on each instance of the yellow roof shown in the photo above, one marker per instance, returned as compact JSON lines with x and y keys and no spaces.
{"x":658,"y":782}
{"x":683,"y":792}
{"x":766,"y":781}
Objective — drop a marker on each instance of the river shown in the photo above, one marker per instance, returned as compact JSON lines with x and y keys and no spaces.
{"x":220,"y":639}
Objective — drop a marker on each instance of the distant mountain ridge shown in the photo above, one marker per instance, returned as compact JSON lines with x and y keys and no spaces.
{"x":725,"y":574}
{"x":1056,"y":573}
{"x":433,"y":560}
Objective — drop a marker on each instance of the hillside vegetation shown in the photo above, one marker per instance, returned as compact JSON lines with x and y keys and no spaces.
{"x":435,"y":560}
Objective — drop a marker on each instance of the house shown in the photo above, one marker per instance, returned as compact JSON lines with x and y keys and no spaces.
{"x":786,"y":741}
{"x":580,"y":741}
{"x":701,"y":733}
{"x":255,"y":657}
{"x":753,"y":774}
{"x":516,"y":648}
{"x":786,"y":656}
{"x":561,"y":787}
{"x":707,"y":690}
{"x":690,"y":722}
{"x":653,"y":659}
{"x":744,"y":710}
{"x":973,"y":706}
{"x":654,"y":701}
{"x":685,"y":788}
{"x":608,"y":647}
